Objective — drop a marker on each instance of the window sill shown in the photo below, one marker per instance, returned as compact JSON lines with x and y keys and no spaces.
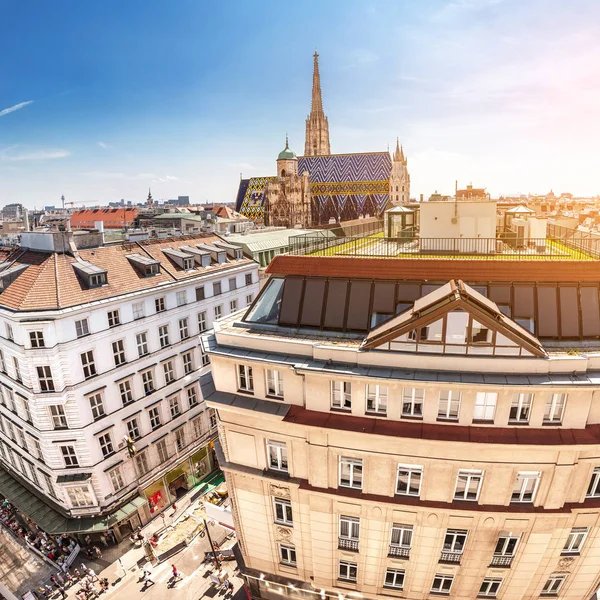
{"x":105,"y":456}
{"x":272,"y":396}
{"x":393,"y":588}
{"x":411,"y":418}
{"x":519,"y":423}
{"x":353,"y":581}
{"x":551,"y":423}
{"x":439,"y":593}
{"x":447,"y":419}
{"x":483,"y":421}
{"x":375,"y":413}
{"x":340,"y":410}
{"x":284,"y":523}
{"x":246,"y":392}
{"x":288,"y":565}
{"x":570,"y":553}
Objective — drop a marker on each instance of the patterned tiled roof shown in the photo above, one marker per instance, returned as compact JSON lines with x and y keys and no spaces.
{"x":336,"y":168}
{"x":50,"y":281}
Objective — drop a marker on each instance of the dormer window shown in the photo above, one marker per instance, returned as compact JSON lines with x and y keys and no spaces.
{"x":188,"y":264}
{"x":183,"y":260}
{"x":144,"y":265}
{"x":92,"y":275}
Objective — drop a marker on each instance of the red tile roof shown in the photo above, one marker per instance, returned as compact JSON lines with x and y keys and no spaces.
{"x":50,"y":281}
{"x":437,"y":269}
{"x":113,"y":218}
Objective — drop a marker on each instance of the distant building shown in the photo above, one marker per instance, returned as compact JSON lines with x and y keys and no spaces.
{"x":180,"y":201}
{"x":13,"y":211}
{"x":112,"y":218}
{"x":471,"y":193}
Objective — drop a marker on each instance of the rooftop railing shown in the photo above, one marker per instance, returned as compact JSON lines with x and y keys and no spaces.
{"x":507,"y":247}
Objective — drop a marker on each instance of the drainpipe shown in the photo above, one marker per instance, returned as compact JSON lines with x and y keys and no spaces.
{"x":303,"y":385}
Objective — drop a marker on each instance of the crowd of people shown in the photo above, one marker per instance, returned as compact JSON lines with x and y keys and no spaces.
{"x":90,"y":584}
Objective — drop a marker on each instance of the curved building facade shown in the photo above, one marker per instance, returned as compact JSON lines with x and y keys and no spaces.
{"x":414,"y":428}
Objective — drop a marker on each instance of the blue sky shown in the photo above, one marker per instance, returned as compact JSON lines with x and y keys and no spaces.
{"x":101,"y":99}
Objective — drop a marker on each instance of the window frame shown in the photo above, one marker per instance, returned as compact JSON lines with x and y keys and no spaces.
{"x":45,"y":379}
{"x":352,"y":464}
{"x":490,"y":592}
{"x":119,"y":356}
{"x":276,"y":377}
{"x":82,"y":327}
{"x":188,"y":362}
{"x":485,"y":406}
{"x":455,"y":535}
{"x":579,"y":535}
{"x":155,"y":417}
{"x":218,"y":311}
{"x":184,"y":328}
{"x":110,"y":317}
{"x":181,"y":296}
{"x":521,"y":402}
{"x":412,"y":400}
{"x":126,"y":389}
{"x":36,"y":339}
{"x":525,"y":476}
{"x":202,"y":321}
{"x":287,"y":555}
{"x":168,"y":372}
{"x":138,"y":310}
{"x":89,"y":364}
{"x":280,"y":454}
{"x":469,"y":475}
{"x":348,"y":567}
{"x":287,"y":515}
{"x":341,"y":394}
{"x":105,"y":442}
{"x":550,"y":588}
{"x":396,"y":574}
{"x":116,"y":474}
{"x":554,"y":402}
{"x":245,"y":378}
{"x":97,"y":409}
{"x":593,"y":490}
{"x":58,"y":416}
{"x":69,"y":455}
{"x":141,"y":343}
{"x":402,"y":530}
{"x":379,"y":398}
{"x":133,"y":431}
{"x":411,"y":470}
{"x":450,"y":401}
{"x":160,"y":304}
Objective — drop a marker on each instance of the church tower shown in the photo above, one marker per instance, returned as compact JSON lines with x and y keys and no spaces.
{"x":317,"y":125}
{"x":399,"y":178}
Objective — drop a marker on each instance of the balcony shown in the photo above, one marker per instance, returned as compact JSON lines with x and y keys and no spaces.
{"x":348,"y":544}
{"x":399,"y":552}
{"x":501,"y":561}
{"x":451,"y":558}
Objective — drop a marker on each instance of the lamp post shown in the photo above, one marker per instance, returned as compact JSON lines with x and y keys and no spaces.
{"x":212,"y":547}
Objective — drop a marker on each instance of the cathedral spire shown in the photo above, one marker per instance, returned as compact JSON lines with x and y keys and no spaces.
{"x":317,"y":125}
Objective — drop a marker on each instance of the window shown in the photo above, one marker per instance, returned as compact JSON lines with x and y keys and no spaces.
{"x":377,"y":399}
{"x":506,"y":546}
{"x":97,"y":406}
{"x":114,"y":318}
{"x":525,"y":486}
{"x":106,"y":444}
{"x":412,"y":402}
{"x":159,"y":304}
{"x":348,"y":571}
{"x":213,"y":417}
{"x":287,"y":555}
{"x":26,"y":411}
{"x":88,"y":364}
{"x":349,"y":533}
{"x":553,"y":585}
{"x":401,"y":540}
{"x":555,"y":408}
{"x":394,"y":578}
{"x":520,"y":408}
{"x":480,"y":334}
{"x":79,"y":497}
{"x":594,"y":487}
{"x":45,"y":378}
{"x":274,"y":383}
{"x":249,"y":299}
{"x":125,"y":391}
{"x":116,"y":479}
{"x":163,"y":336}
{"x":174,"y":406}
{"x":138,"y":310}
{"x":341,"y":395}
{"x":283,"y":511}
{"x":408,"y":481}
{"x":200,"y":295}
{"x":468,"y":484}
{"x":169,"y":372}
{"x":454,"y":542}
{"x":233,"y":305}
{"x":180,"y":439}
{"x":277,"y":456}
{"x":148,"y":382}
{"x":9,"y":332}
{"x":216,"y":288}
{"x":181,"y":298}
{"x":351,"y":472}
{"x":37,"y":447}
{"x":197,"y":426}
{"x":96,"y":280}
{"x":202,"y":322}
{"x":10,"y":399}
{"x":188,"y":363}
{"x":17,"y":369}
{"x":82,"y":328}
{"x":133,"y":429}
{"x":232,"y":284}
{"x":59,"y":419}
{"x":37,"y":339}
{"x":141,"y":463}
{"x":49,"y":485}
{"x":245,"y":380}
{"x":575,"y":540}
{"x":161,"y":449}
{"x":69,"y":456}
{"x":204,"y":358}
{"x":248,"y":278}
{"x":449,"y":405}
{"x":192,"y":396}
{"x":218,"y":311}
{"x":485,"y":406}
{"x":184,"y":331}
{"x":118,"y":349}
{"x":2,"y":363}
{"x":154,"y":414}
{"x":141,"y":340}
{"x":489,"y":587}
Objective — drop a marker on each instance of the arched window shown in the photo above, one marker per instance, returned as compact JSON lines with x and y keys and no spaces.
{"x":396,"y":188}
{"x":283,"y":172}
{"x":402,"y":188}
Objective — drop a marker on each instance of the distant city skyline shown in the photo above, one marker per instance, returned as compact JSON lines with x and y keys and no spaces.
{"x":108,"y":99}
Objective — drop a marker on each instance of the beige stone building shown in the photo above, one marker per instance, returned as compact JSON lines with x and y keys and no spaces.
{"x":414,"y":428}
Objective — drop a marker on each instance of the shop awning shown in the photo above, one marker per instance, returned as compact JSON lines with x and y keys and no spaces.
{"x":50,"y":519}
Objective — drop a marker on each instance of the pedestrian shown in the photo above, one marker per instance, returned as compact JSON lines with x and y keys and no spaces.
{"x":92,"y":575}
{"x":98,"y":552}
{"x":176,"y":573}
{"x":88,"y":540}
{"x":146,"y":578}
{"x":104,"y":540}
{"x":61,"y":590}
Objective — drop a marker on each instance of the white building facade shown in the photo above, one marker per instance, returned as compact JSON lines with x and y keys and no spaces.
{"x":101,"y":411}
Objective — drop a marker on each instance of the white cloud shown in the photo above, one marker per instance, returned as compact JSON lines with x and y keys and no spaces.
{"x":103,"y":145}
{"x":11,"y":109}
{"x":37,"y":155}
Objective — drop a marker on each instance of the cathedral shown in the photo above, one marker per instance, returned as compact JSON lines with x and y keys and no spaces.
{"x":321,"y":188}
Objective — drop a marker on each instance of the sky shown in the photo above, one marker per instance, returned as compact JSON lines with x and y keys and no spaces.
{"x":102,"y":99}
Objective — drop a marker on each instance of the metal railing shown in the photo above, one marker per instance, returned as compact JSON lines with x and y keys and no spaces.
{"x":399,"y":551}
{"x":501,"y":561}
{"x":450,"y":557}
{"x":508,"y":247}
{"x":347,"y":544}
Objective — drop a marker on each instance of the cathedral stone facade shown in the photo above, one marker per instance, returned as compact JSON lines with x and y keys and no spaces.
{"x":320,"y":188}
